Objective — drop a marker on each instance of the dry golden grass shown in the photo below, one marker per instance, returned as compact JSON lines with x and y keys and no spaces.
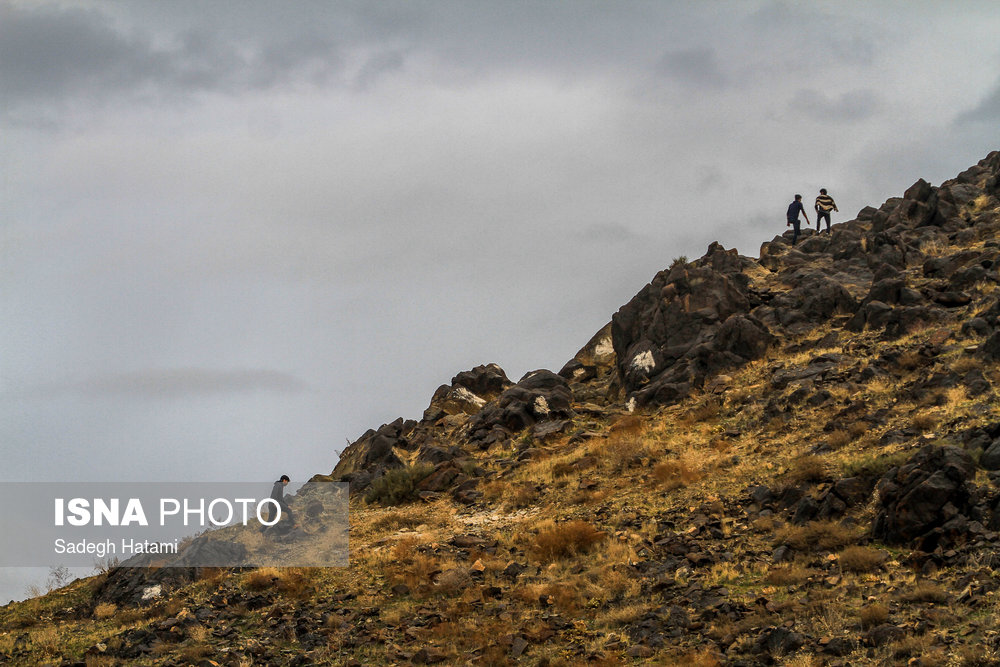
{"x":860,"y":559}
{"x":840,"y":438}
{"x":675,"y":473}
{"x":293,"y":582}
{"x":391,"y":521}
{"x":560,"y":540}
{"x":790,"y":574}
{"x":924,"y":591}
{"x":816,"y":535}
{"x":925,"y":421}
{"x":105,"y":610}
{"x":966,"y":363}
{"x":873,"y":614}
{"x":807,"y":468}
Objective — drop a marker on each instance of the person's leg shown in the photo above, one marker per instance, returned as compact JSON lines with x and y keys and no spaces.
{"x":796,"y":226}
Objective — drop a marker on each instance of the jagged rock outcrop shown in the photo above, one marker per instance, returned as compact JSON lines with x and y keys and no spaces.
{"x":592,"y":372}
{"x":928,"y":500}
{"x":541,"y":399}
{"x":368,"y":457}
{"x":691,"y":321}
{"x":468,"y":392}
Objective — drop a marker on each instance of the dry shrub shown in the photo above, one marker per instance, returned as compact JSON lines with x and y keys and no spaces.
{"x":703,"y":658}
{"x":873,"y":615}
{"x":560,"y":540}
{"x":397,"y":521}
{"x":911,"y":360}
{"x":764,"y":524}
{"x":965,"y":364}
{"x":105,"y":610}
{"x":620,"y":451}
{"x":675,"y":473}
{"x":194,"y":653}
{"x":925,"y":591}
{"x":628,"y":425}
{"x":840,"y":438}
{"x":522,"y":495}
{"x":261,"y":578}
{"x":860,"y":559}
{"x":791,"y":574}
{"x":925,"y":421}
{"x":293,"y":582}
{"x":823,"y":535}
{"x":705,"y":410}
{"x":807,"y":468}
{"x":858,"y":429}
{"x":100,"y":661}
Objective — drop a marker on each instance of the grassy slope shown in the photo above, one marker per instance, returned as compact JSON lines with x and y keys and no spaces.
{"x":591,"y":520}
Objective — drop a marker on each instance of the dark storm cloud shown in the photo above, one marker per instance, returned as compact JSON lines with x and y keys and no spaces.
{"x":697,"y":67}
{"x":177,"y":383}
{"x":855,"y":105}
{"x":48,"y":54}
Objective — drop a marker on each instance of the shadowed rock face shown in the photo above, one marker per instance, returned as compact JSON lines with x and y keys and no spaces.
{"x":691,"y":321}
{"x":539,"y":397}
{"x":928,"y":499}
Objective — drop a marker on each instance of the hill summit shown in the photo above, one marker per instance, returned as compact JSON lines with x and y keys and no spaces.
{"x":788,"y":459}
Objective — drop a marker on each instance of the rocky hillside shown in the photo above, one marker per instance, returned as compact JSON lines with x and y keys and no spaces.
{"x":784,"y":460}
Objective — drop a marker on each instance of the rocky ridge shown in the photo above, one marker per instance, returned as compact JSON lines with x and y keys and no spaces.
{"x":756,"y":461}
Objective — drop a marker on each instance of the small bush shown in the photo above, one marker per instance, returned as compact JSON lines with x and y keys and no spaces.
{"x":874,"y":465}
{"x":821,"y":535}
{"x":397,"y":521}
{"x":679,"y":261}
{"x":873,"y":615}
{"x":860,"y":559}
{"x":674,"y":473}
{"x":791,"y":574}
{"x":105,"y":610}
{"x":925,"y":421}
{"x":806,"y":469}
{"x":398,"y":485}
{"x":841,"y":438}
{"x":925,"y":591}
{"x":559,"y":540}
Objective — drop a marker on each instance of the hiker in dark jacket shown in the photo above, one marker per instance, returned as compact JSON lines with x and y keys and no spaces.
{"x":278,"y":496}
{"x":792,"y":216}
{"x":824,"y":204}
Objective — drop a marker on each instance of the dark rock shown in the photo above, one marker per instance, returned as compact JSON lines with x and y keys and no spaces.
{"x":372,"y":454}
{"x":923,"y":495}
{"x":539,"y":396}
{"x":690,"y":322}
{"x":779,"y":641}
{"x":990,"y":460}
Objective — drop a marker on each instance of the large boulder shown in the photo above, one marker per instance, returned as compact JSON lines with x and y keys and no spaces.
{"x":468,"y":392}
{"x":928,"y":500}
{"x":540,"y":396}
{"x":368,"y":457}
{"x":691,"y":321}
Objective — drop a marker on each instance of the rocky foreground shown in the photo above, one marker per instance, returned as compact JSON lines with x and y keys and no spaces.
{"x":792,"y":459}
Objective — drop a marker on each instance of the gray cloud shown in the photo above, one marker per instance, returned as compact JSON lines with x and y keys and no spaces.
{"x":51,"y":54}
{"x":987,"y":111}
{"x":851,"y":106}
{"x":175,"y":383}
{"x":697,"y":66}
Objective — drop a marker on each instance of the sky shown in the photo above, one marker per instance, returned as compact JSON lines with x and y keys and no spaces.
{"x":236,"y":235}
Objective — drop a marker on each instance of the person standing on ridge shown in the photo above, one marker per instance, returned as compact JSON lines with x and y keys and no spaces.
{"x":794,"y":209}
{"x":824,"y":204}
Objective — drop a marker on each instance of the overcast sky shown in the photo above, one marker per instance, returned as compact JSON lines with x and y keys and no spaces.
{"x":236,"y":235}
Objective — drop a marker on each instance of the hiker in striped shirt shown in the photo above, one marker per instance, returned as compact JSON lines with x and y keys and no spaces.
{"x":824,"y":204}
